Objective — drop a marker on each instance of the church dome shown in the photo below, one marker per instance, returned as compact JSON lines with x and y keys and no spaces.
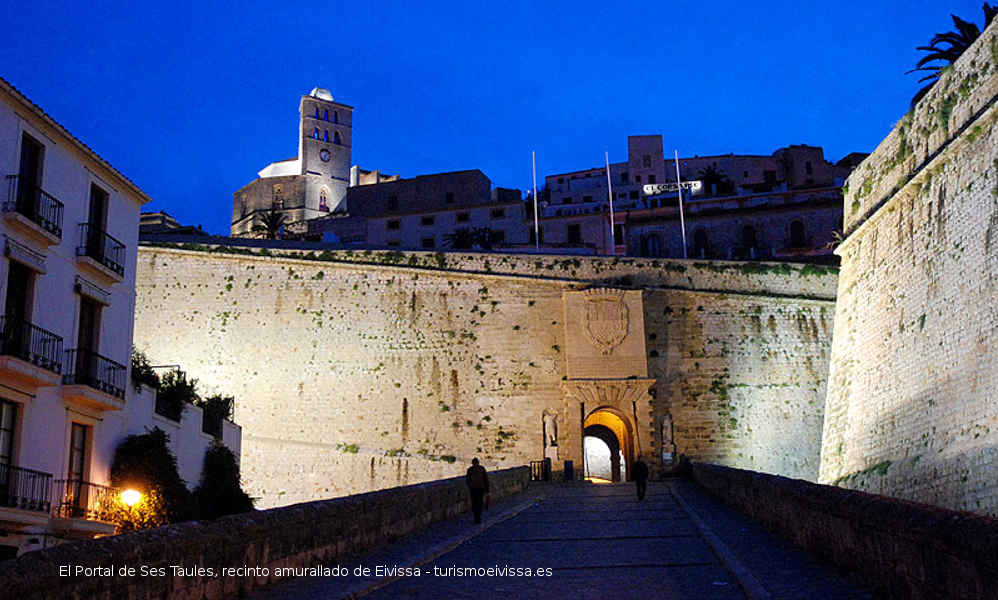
{"x":321,"y":94}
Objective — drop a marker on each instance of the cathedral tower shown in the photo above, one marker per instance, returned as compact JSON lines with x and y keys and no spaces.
{"x":324,"y":142}
{"x":311,"y":185}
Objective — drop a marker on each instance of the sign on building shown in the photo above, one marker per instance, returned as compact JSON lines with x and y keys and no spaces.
{"x":692,"y":187}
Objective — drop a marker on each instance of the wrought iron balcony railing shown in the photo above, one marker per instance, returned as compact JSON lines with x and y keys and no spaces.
{"x":35,"y":204}
{"x":30,"y":343}
{"x":88,"y":368}
{"x":98,"y":245}
{"x":24,"y":488}
{"x":78,"y":499}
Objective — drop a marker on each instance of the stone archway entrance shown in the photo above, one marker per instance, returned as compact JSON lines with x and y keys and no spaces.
{"x":606,"y":430}
{"x":601,"y":456}
{"x":605,"y":389}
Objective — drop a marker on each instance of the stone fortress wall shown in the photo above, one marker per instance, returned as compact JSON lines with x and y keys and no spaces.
{"x":911,"y":402}
{"x":356,"y":371}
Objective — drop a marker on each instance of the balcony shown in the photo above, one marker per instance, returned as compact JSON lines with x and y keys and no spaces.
{"x":101,"y":253}
{"x":24,"y":490}
{"x":29,"y":353}
{"x":82,"y":506}
{"x":94,"y":380}
{"x":33,"y":210}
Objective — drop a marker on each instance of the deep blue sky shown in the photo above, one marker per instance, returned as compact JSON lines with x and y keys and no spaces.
{"x":190,"y":101}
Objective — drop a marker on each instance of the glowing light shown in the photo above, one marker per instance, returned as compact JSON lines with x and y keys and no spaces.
{"x":131,"y":497}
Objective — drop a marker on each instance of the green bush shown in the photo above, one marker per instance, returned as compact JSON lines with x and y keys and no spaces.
{"x":219,"y":492}
{"x":142,"y":373}
{"x":216,"y":409}
{"x":145,"y":463}
{"x":175,"y":393}
{"x":149,"y":512}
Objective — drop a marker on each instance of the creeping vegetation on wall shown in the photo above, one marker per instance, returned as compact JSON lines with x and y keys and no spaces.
{"x":391,"y":370}
{"x":618,"y":272}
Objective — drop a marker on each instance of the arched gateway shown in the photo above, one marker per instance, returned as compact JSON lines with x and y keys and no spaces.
{"x":605,"y":400}
{"x":608,"y":445}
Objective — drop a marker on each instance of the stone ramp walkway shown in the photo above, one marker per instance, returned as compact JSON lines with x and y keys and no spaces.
{"x":590,"y":541}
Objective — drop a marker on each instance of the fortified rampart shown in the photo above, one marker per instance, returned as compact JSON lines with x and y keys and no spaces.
{"x":911,"y":401}
{"x":355,"y":371}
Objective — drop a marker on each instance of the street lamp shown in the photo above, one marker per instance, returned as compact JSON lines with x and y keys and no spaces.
{"x":131,"y":497}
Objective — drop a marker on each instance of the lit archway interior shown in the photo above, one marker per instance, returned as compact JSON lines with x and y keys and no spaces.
{"x":607,"y":441}
{"x":603,"y":463}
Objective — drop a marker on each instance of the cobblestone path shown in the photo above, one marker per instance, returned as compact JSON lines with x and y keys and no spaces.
{"x":590,"y":541}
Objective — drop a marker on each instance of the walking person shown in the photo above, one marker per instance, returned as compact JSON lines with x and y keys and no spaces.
{"x":639,"y":470}
{"x":478,"y":483}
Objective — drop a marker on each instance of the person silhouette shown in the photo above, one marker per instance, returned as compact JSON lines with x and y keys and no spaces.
{"x":639,"y":471}
{"x":478,"y":484}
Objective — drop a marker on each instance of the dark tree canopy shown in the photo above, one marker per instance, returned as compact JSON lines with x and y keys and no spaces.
{"x":219,"y":492}
{"x":715,"y":182}
{"x":216,"y":409}
{"x":465,"y":238}
{"x":175,"y":392}
{"x":145,"y":462}
{"x":142,"y":372}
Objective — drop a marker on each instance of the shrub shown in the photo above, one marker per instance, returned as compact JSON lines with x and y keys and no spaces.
{"x":142,"y":373}
{"x":175,"y":393}
{"x":219,"y":492}
{"x":149,"y":512}
{"x":216,"y":408}
{"x":145,"y":463}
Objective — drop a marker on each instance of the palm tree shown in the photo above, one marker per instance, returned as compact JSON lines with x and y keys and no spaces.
{"x":271,"y":223}
{"x":461,"y":239}
{"x":485,"y":238}
{"x":466,"y":239}
{"x":945,"y":48}
{"x":714,"y":181}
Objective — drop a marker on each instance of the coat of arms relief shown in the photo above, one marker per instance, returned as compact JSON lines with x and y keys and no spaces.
{"x":606,"y":318}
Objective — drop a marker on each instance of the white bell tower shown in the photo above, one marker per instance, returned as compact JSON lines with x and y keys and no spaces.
{"x":324,"y":142}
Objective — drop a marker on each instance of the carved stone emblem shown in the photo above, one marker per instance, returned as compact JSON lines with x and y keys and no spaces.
{"x":605,"y":318}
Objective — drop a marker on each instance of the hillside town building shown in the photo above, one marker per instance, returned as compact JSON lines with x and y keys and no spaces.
{"x":70,"y":235}
{"x":745,"y":207}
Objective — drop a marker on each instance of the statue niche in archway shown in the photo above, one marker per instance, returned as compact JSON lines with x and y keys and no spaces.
{"x":549,"y":428}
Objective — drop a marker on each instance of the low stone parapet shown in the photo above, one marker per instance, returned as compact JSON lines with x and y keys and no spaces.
{"x":312,"y":534}
{"x":900,"y":549}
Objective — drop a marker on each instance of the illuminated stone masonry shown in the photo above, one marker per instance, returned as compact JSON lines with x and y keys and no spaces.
{"x":356,"y":371}
{"x":911,"y":402}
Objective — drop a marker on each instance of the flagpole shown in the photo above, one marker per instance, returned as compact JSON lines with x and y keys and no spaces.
{"x":537,"y":227}
{"x":682,"y":221}
{"x":609,"y":187}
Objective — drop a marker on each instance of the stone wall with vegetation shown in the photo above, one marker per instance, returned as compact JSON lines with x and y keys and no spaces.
{"x":315,"y":534}
{"x":377,"y":369}
{"x":742,"y":376}
{"x":899,"y":549}
{"x":952,"y":111}
{"x":736,"y":277}
{"x":911,"y":402}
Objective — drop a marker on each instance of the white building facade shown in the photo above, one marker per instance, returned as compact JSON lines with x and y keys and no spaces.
{"x":69,"y":223}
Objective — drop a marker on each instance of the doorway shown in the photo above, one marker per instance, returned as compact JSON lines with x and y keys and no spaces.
{"x":608,"y":446}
